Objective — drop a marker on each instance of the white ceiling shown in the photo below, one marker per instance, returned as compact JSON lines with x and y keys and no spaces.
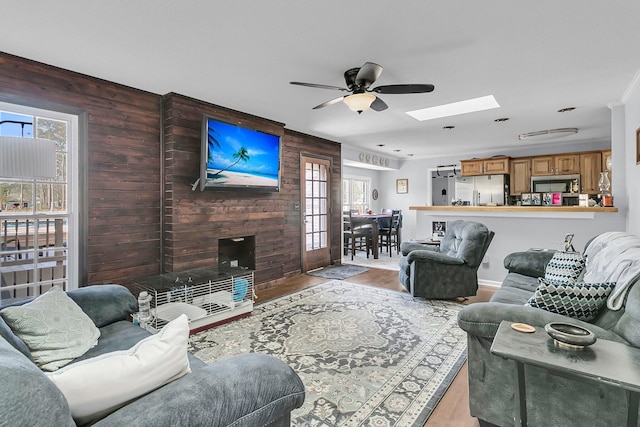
{"x":535,"y":57}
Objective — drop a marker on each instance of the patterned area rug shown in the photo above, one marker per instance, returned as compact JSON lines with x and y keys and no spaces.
{"x":339,"y":272}
{"x":367,"y":356}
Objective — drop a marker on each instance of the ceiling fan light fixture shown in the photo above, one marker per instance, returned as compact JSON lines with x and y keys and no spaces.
{"x":359,"y":102}
{"x":548,"y":134}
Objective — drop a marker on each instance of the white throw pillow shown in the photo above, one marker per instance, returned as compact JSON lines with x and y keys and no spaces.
{"x":97,"y":386}
{"x":54,"y":327}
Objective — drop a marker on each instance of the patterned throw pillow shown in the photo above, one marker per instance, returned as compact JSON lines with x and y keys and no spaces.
{"x":576,"y":300}
{"x":564,"y":267}
{"x":54,"y":327}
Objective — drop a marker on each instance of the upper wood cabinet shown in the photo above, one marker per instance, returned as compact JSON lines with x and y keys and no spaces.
{"x":520,"y":176}
{"x":496,"y":166}
{"x":560,"y":164}
{"x":471,"y":167}
{"x":590,"y":167}
{"x":492,"y":166}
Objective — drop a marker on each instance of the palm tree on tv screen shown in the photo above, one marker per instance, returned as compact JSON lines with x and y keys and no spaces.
{"x":241,"y":155}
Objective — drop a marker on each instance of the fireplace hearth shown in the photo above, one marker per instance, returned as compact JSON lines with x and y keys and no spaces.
{"x":237,"y":252}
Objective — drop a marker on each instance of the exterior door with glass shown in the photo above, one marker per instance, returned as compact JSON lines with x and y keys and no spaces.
{"x":315,"y":184}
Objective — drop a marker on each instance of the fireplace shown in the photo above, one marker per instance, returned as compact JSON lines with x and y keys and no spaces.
{"x":237,"y":252}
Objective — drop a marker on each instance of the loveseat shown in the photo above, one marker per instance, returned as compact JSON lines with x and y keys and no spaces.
{"x":553,"y":400}
{"x":248,"y":390}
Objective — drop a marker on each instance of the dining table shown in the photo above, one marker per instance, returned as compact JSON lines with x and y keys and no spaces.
{"x":377,"y":221}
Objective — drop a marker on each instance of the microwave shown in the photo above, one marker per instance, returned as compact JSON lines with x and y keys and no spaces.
{"x":568,"y":185}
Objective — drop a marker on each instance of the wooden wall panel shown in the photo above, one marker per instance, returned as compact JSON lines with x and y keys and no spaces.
{"x":123,"y":230}
{"x":138,"y":223}
{"x":195,"y":220}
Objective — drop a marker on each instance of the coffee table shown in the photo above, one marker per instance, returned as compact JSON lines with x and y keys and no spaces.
{"x":605,"y":362}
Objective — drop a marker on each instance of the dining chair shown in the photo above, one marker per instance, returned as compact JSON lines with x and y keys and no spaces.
{"x":390,"y":235}
{"x":358,"y":234}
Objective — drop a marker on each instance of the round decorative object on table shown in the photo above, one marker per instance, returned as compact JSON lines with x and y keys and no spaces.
{"x":570,"y":336}
{"x":523,"y":327}
{"x":374,"y":194}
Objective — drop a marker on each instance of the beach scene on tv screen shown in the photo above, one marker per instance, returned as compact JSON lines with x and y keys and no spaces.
{"x":241,"y":157}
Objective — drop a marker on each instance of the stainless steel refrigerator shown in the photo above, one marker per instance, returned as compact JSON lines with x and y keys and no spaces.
{"x":482,"y":190}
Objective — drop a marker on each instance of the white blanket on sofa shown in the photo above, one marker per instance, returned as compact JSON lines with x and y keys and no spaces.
{"x":614,"y":257}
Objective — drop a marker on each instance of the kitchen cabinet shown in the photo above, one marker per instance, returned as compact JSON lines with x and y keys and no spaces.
{"x":520,"y":176}
{"x":561,"y":164}
{"x":497,"y":166}
{"x":492,"y":166}
{"x":471,"y":167}
{"x":542,"y":165}
{"x":590,"y":167}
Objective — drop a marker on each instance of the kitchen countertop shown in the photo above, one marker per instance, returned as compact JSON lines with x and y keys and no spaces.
{"x":540,"y":212}
{"x":514,"y":208}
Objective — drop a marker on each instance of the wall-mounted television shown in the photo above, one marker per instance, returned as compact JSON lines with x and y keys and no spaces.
{"x":236,"y":157}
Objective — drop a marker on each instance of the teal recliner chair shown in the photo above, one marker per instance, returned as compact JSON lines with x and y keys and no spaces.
{"x":450,"y":270}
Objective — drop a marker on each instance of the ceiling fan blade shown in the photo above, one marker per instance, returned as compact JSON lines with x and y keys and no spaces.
{"x":319,"y":86}
{"x":331,"y":102}
{"x":368,"y":74}
{"x":400,"y":89}
{"x":379,"y":105}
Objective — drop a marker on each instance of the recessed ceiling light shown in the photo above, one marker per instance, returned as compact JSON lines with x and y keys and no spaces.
{"x":448,"y":127}
{"x":455,"y":108}
{"x":397,"y":151}
{"x":409,"y":155}
{"x":566,"y":110}
{"x":501,"y":119}
{"x":380,"y":145}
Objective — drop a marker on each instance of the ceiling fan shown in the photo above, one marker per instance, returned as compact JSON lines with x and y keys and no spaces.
{"x":359,"y":81}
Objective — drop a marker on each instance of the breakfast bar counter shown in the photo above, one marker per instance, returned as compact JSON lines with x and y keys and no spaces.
{"x":518,"y":228}
{"x":516,"y":211}
{"x":514,"y":208}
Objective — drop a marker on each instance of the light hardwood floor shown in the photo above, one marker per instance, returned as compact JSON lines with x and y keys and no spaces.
{"x":453,"y":409}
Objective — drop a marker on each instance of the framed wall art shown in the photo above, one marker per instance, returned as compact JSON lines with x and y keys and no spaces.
{"x":402,"y":186}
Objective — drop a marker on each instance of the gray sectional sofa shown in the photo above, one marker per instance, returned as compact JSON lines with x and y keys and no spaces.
{"x":249,"y":390}
{"x":552,"y":400}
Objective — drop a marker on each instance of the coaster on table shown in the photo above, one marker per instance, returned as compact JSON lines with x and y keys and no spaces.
{"x":523,"y":327}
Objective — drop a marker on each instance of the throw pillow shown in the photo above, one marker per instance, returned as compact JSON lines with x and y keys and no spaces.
{"x":54,"y":328}
{"x":564,"y":267}
{"x":100,"y":385}
{"x":577,"y":300}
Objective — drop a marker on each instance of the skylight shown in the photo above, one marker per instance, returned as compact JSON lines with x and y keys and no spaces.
{"x":455,"y":108}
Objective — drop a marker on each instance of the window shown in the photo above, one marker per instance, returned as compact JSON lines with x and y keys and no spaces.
{"x":356,"y":194}
{"x":38,"y":235}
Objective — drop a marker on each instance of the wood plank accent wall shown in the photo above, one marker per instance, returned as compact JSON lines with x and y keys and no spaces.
{"x":123,"y":231}
{"x":124,"y":236}
{"x":195,"y":220}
